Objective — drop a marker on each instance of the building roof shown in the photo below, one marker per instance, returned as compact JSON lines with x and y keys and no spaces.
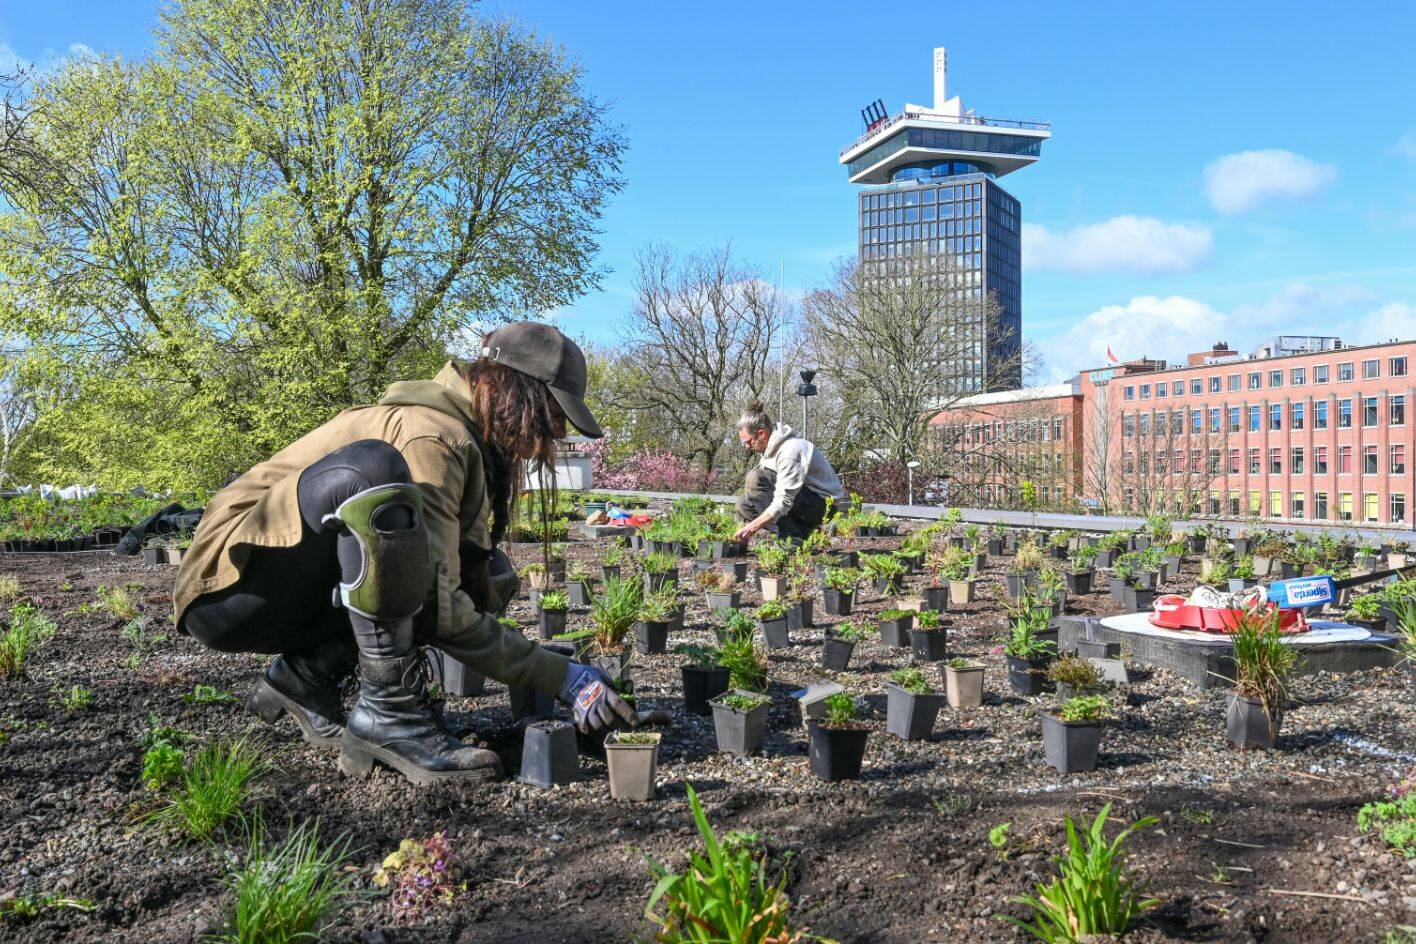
{"x":1021,"y":395}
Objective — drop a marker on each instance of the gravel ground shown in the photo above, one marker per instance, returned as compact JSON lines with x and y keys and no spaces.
{"x":1250,"y":846}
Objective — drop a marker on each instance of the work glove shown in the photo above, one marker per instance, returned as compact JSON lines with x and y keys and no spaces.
{"x":593,"y":703}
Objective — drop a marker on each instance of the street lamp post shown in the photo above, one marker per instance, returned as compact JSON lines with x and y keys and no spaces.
{"x":910,"y":467}
{"x":806,"y":391}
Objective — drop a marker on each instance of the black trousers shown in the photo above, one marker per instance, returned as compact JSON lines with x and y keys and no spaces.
{"x":804,"y":517}
{"x":284,"y":601}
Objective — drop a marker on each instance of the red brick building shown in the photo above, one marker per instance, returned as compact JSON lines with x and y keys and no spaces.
{"x":1303,"y":430}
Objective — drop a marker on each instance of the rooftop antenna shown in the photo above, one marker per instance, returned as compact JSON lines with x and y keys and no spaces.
{"x":941,"y":75}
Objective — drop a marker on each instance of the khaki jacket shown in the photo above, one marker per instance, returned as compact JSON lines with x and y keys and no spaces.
{"x":430,"y":422}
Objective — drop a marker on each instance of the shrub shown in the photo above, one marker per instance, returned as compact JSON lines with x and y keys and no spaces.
{"x":853,"y":631}
{"x":420,"y":874}
{"x":1367,"y":607}
{"x":287,"y":892}
{"x":9,"y":587}
{"x":1262,"y":662}
{"x":724,"y":894}
{"x":743,"y":703}
{"x":716,"y":581}
{"x":927,"y":619}
{"x":214,"y":789}
{"x":1094,"y":895}
{"x":843,"y":580}
{"x":1077,"y":674}
{"x":660,"y":563}
{"x":745,"y":662}
{"x":772,"y":610}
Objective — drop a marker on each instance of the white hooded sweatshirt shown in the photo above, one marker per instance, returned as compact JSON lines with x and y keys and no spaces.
{"x":798,"y":464}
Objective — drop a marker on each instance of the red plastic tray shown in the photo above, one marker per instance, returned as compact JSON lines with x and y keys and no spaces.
{"x":1172,"y":612}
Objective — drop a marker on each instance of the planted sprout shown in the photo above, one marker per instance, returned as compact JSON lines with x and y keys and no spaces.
{"x":213,"y":790}
{"x":894,"y":614}
{"x":743,"y":703}
{"x":736,"y":623}
{"x":288,"y":892}
{"x":745,"y":662}
{"x":162,"y":766}
{"x":1085,"y":708}
{"x":840,"y":710}
{"x":637,"y":737}
{"x":853,"y":631}
{"x":1077,"y":674}
{"x":555,"y":601}
{"x":208,"y":695}
{"x":958,"y":662}
{"x":74,"y":698}
{"x":927,"y":619}
{"x":614,"y":611}
{"x":28,"y":628}
{"x":1263,"y":663}
{"x":716,"y":581}
{"x":660,"y":563}
{"x":772,"y":557}
{"x":702,"y":656}
{"x":843,"y":580}
{"x":772,"y":610}
{"x":912,"y":680}
{"x":1365,"y":608}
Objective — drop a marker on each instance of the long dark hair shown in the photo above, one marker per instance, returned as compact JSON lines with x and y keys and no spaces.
{"x":518,"y":422}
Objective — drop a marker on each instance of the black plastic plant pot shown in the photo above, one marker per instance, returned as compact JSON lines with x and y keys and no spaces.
{"x":1241,"y":547}
{"x":1197,"y":543}
{"x":549,"y":755}
{"x":1289,"y":570}
{"x":1247,"y":725}
{"x":837,"y":602}
{"x":1140,"y":542}
{"x":612,"y":663}
{"x":847,"y":559}
{"x":964,"y":687}
{"x":579,"y":592}
{"x":703,"y":564}
{"x":935,"y":598}
{"x":724,"y":601}
{"x":651,"y":637}
{"x":1070,"y":746}
{"x":1239,"y":584}
{"x":929,"y":645}
{"x":737,"y":568}
{"x":776,"y":633}
{"x":1079,"y":583}
{"x":799,"y":615}
{"x":154,"y":555}
{"x":911,"y":717}
{"x":1104,"y":558}
{"x":722,"y":549}
{"x":1139,"y":599}
{"x":555,"y":571}
{"x":529,"y":703}
{"x":1095,"y":649}
{"x":551,"y":623}
{"x":702,"y":683}
{"x":995,"y":547}
{"x":653,"y":583}
{"x":633,"y":768}
{"x":610,"y":571}
{"x":836,"y":653}
{"x":961,"y":591}
{"x":739,"y":732}
{"x":896,"y":632}
{"x":1027,"y":676}
{"x":836,"y":753}
{"x":1117,"y":587}
{"x":455,"y":676}
{"x":1144,"y":579}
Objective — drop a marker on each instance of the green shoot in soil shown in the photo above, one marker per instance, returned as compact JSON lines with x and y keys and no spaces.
{"x":912,"y":680}
{"x":214,"y":788}
{"x":74,"y":698}
{"x":28,"y":628}
{"x":288,"y":892}
{"x":208,"y":695}
{"x":998,"y":839}
{"x":840,"y":710}
{"x":29,"y":907}
{"x":162,"y":766}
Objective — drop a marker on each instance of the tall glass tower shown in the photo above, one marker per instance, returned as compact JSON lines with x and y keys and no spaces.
{"x":930,"y":185}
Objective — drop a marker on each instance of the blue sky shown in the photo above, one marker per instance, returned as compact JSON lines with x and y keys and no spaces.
{"x":1217,"y":171}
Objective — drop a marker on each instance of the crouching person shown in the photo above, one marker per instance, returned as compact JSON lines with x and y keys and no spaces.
{"x":378,"y":531}
{"x":788,"y":489}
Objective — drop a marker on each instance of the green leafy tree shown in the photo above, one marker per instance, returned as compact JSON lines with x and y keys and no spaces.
{"x":289,"y":206}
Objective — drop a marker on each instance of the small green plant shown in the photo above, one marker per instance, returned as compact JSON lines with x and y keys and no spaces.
{"x":162,"y":766}
{"x":117,"y":602}
{"x":955,"y":804}
{"x":735,"y":622}
{"x":885,"y":567}
{"x":1077,"y":674}
{"x":613,"y":556}
{"x":772,"y":610}
{"x":9,"y":588}
{"x":1094,"y":894}
{"x":702,"y":656}
{"x":214,"y":789}
{"x":745,"y":662}
{"x":1394,"y":819}
{"x":555,"y":601}
{"x":853,"y":631}
{"x":772,"y":558}
{"x":1030,"y":620}
{"x":998,"y":839}
{"x":716,"y":581}
{"x":287,"y":892}
{"x":958,"y":662}
{"x":725,"y":894}
{"x":1085,"y":708}
{"x":895,"y":614}
{"x":637,"y":737}
{"x":659,"y":606}
{"x":28,"y":628}
{"x":743,"y":703}
{"x":421,"y":874}
{"x":1263,"y":663}
{"x":843,"y":580}
{"x":927,"y":619}
{"x":614,"y":611}
{"x":912,"y":680}
{"x":208,"y":695}
{"x":74,"y":698}
{"x":1197,"y":816}
{"x":840,"y":710}
{"x":29,"y":907}
{"x":660,"y":563}
{"x":1366,"y":608}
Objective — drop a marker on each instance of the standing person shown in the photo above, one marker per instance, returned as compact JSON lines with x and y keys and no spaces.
{"x":377,"y":531}
{"x":787,"y":491}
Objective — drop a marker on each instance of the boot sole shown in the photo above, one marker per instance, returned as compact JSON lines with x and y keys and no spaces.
{"x":357,"y":757}
{"x":269,"y":703}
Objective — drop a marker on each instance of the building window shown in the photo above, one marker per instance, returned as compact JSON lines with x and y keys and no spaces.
{"x":1233,"y":463}
{"x":1398,"y":410}
{"x":1212,"y":462}
{"x":1214,"y":419}
{"x":1234,"y":504}
{"x":1214,"y":503}
{"x":1177,"y":388}
{"x":1344,"y":460}
{"x":1295,"y":416}
{"x":1295,"y":506}
{"x":1320,"y":505}
{"x":1234,"y":419}
{"x":1145,"y":424}
{"x":1369,"y":412}
{"x":1256,"y":503}
{"x":1129,"y":463}
{"x":1160,"y":389}
{"x":1276,"y":504}
{"x":1371,"y":502}
{"x":1255,"y":419}
{"x":1369,"y":460}
{"x":1256,"y":380}
{"x":1275,"y":462}
{"x":1197,"y":385}
{"x":1344,"y":414}
{"x":1214,"y":385}
{"x":1233,"y":382}
{"x":1320,"y":375}
{"x":1298,"y":376}
{"x":1275,"y":378}
{"x":1398,"y":507}
{"x":1397,"y":459}
{"x":1320,"y":465}
{"x":1344,"y":506}
{"x":1197,"y":421}
{"x":1130,"y":393}
{"x":1371,"y":369}
{"x":1320,"y":408}
{"x":1275,"y":416}
{"x":1295,"y":461}
{"x":1396,"y":367}
{"x":1128,"y":425}
{"x":1145,"y":391}
{"x":1344,"y":373}
{"x":1253,"y":462}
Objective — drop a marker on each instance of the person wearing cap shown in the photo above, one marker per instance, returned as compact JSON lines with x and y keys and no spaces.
{"x":378,"y":531}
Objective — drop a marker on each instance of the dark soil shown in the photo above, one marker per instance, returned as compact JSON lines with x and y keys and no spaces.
{"x":902,"y":855}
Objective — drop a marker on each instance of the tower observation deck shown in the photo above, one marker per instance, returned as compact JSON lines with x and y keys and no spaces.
{"x":929,"y":179}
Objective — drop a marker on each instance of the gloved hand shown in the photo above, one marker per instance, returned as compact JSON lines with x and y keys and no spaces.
{"x":593,"y":703}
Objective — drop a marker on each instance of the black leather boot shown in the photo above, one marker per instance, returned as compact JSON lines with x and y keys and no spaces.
{"x":392,"y":724}
{"x":308,"y":686}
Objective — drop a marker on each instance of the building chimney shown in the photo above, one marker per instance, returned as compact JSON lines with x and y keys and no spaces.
{"x":941,"y":74}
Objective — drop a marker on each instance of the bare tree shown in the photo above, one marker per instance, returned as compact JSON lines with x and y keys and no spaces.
{"x":701,"y":331}
{"x":902,"y":339}
{"x":19,"y":408}
{"x":13,"y":114}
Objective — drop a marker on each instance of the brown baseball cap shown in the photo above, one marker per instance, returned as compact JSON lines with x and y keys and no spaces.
{"x":548,"y":355}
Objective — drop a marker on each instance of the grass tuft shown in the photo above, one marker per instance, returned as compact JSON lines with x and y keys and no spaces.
{"x":213,"y":789}
{"x":287,"y":892}
{"x":28,"y":628}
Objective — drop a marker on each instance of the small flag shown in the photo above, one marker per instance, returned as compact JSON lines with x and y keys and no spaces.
{"x":1112,"y":357}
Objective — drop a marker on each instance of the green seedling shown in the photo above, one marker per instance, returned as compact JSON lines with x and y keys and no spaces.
{"x":288,"y":892}
{"x":208,"y":695}
{"x":998,"y":839}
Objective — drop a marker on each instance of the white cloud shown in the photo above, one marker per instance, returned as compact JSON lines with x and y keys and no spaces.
{"x":1121,"y":244}
{"x":8,"y":59}
{"x":1299,"y":308}
{"x":1146,"y":326}
{"x":1406,"y":146}
{"x":1237,"y":183}
{"x":1392,"y":320}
